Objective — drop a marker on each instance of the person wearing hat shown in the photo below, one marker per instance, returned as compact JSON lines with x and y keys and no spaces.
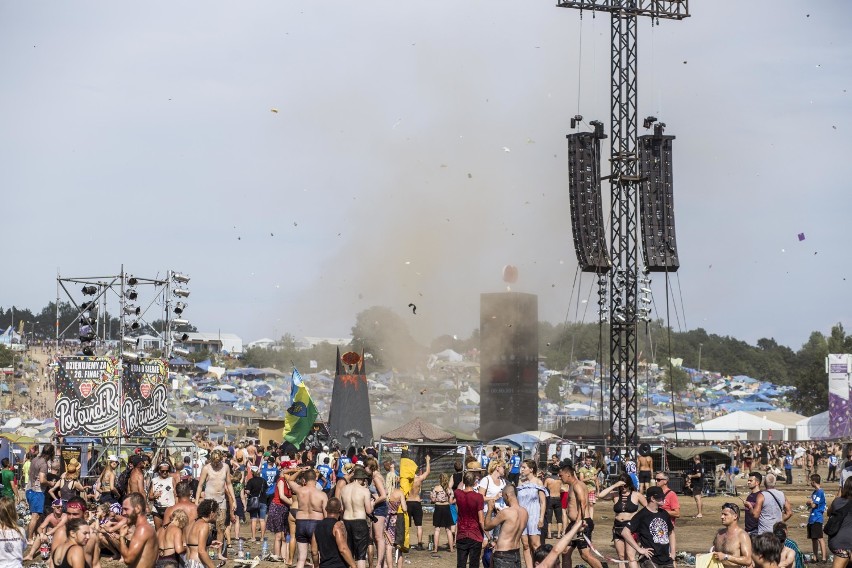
{"x":47,"y":528}
{"x":653,"y":527}
{"x":357,"y":506}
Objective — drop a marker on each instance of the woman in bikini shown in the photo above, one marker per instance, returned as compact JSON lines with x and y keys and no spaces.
{"x":626,"y":502}
{"x":72,"y":552}
{"x":197,"y":541}
{"x":170,"y":540}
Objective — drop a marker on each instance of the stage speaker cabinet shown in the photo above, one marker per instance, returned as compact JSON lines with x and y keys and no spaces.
{"x":508,"y":335}
{"x":676,"y":483}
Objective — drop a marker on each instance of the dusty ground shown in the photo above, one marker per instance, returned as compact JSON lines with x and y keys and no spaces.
{"x":693,"y":535}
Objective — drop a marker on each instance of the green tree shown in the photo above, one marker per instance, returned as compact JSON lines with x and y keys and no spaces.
{"x":6,"y":356}
{"x":811,"y":394}
{"x":551,"y":390}
{"x":676,"y":380}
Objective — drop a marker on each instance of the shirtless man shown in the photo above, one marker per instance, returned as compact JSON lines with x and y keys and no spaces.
{"x":183,"y":492}
{"x":216,"y":480}
{"x":732,"y":545}
{"x":141,"y":549}
{"x":47,"y":528}
{"x":646,"y":472}
{"x":578,"y":503}
{"x":251,"y":450}
{"x":312,"y":503}
{"x":136,"y":480}
{"x":512,"y":520}
{"x":357,"y":505}
{"x":553,"y":485}
{"x":414,"y":503}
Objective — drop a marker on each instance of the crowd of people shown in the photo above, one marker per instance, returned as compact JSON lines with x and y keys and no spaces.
{"x":330,"y":508}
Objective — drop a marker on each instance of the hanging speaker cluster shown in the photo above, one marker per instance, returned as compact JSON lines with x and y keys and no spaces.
{"x":656,"y":202}
{"x":584,"y":184}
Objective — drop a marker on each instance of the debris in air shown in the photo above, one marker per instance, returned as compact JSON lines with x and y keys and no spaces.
{"x":801,"y":236}
{"x":413,"y":309}
{"x":273,"y":110}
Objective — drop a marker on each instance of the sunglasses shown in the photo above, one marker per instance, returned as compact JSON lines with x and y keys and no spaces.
{"x":660,"y":479}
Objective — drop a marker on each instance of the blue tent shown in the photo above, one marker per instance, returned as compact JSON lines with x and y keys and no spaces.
{"x":204,"y":365}
{"x":224,"y":396}
{"x":179,"y":362}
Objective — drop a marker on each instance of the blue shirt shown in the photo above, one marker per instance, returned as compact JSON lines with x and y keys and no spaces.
{"x":326,"y":471}
{"x":270,"y":474}
{"x":483,"y":461}
{"x":788,"y":462}
{"x":342,"y":461}
{"x":516,"y":464}
{"x":818,"y":497}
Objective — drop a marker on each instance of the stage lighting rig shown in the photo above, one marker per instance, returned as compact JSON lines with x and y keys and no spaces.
{"x":181,"y":292}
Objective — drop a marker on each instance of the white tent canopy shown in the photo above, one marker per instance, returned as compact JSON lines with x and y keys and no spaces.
{"x":814,"y":427}
{"x":742,"y":425}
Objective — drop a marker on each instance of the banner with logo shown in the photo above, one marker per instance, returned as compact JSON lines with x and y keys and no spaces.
{"x":86,"y":397}
{"x":144,"y":391}
{"x":839,"y":411}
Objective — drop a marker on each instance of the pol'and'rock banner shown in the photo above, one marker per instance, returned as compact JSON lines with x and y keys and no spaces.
{"x":88,"y":404}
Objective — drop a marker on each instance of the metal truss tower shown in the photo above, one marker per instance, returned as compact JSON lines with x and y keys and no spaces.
{"x":624,"y":185}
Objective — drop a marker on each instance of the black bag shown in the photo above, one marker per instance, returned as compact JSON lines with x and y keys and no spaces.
{"x":835,"y":520}
{"x":253,"y":503}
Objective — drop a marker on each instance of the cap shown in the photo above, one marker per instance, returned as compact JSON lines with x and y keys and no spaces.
{"x":655,"y":493}
{"x":56,"y":503}
{"x":115,"y":508}
{"x":325,"y":448}
{"x":255,"y":469}
{"x":474,"y":466}
{"x":113,"y":458}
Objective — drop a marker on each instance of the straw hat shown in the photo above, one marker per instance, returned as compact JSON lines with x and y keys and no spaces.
{"x":473,"y":466}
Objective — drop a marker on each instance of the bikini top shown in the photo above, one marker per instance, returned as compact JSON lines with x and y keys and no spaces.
{"x":624,"y":504}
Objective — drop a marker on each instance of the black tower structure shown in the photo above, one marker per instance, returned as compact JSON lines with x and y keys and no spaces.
{"x":624,"y":185}
{"x":508,"y":376}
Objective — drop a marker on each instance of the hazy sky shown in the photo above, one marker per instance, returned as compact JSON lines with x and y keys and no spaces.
{"x":416,"y":150}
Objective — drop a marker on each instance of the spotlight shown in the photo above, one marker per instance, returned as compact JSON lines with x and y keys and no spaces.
{"x":131,"y":356}
{"x":645,"y":290}
{"x":179,"y":351}
{"x":619,"y":318}
{"x":89,"y":290}
{"x":131,"y":294}
{"x":132,"y":281}
{"x":179,"y":308}
{"x":180,"y":278}
{"x":132,"y":310}
{"x":575,"y":119}
{"x":181,"y":293}
{"x":88,"y":350}
{"x":87,"y":333}
{"x":86,"y":319}
{"x":130,"y":341}
{"x":88,"y":306}
{"x":180,"y":337}
{"x":645,"y":300}
{"x":180,"y":322}
{"x":135,"y":325}
{"x":649,"y":121}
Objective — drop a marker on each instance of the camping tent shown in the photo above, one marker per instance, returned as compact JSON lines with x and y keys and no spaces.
{"x":737,"y":425}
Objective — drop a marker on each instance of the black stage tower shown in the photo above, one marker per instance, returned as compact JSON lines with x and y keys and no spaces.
{"x":624,"y":184}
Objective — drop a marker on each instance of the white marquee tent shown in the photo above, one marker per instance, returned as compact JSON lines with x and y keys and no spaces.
{"x":737,"y":425}
{"x":814,"y":427}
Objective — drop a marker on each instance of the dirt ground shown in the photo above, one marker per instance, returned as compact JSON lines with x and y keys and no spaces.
{"x":693,"y":535}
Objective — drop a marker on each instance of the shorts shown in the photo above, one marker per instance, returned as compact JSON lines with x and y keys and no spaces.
{"x":506,"y":559}
{"x":415,"y":514}
{"x":241,"y":511}
{"x":593,"y":497}
{"x":259,"y":513}
{"x":840,"y":552}
{"x":35,"y":499}
{"x":579,"y":542}
{"x":617,"y":528}
{"x":381,"y":510}
{"x":644,"y":476}
{"x":358,"y":537}
{"x":814,"y":530}
{"x":159,"y":511}
{"x":305,"y":530}
{"x":747,"y":463}
{"x":553,"y":508}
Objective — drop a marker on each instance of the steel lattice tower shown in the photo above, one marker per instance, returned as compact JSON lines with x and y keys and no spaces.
{"x":624,"y":186}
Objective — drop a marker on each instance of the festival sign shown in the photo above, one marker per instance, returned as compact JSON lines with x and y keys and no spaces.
{"x":86,"y":397}
{"x":839,"y":411}
{"x":144,"y":392}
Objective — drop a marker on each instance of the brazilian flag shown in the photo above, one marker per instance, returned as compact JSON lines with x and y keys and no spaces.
{"x":300,"y":417}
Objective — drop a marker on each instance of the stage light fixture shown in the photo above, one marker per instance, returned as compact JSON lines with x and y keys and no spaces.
{"x":132,"y":281}
{"x":619,"y":318}
{"x":131,"y":294}
{"x":645,"y":290}
{"x":180,"y":351}
{"x":180,"y":337}
{"x":181,"y":293}
{"x":88,"y":350}
{"x":89,"y":290}
{"x":130,"y":341}
{"x":180,"y":278}
{"x":132,"y":310}
{"x":131,"y":356}
{"x":180,"y":322}
{"x":649,"y":121}
{"x":179,"y":308}
{"x":135,"y":325}
{"x":576,"y":120}
{"x":645,"y":300}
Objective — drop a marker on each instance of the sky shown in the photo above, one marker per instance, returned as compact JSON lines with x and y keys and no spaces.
{"x":305,"y":161}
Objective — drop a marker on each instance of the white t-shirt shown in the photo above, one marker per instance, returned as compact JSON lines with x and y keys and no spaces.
{"x":12,"y":544}
{"x":492,"y":489}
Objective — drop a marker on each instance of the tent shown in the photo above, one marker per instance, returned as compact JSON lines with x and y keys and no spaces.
{"x":179,"y":362}
{"x":738,"y":425}
{"x":419,"y":431}
{"x":814,"y":427}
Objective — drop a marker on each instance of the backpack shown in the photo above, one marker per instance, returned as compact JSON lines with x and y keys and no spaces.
{"x":835,"y":520}
{"x":121,"y":483}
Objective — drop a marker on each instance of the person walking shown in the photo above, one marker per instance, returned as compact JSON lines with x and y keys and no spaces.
{"x":532,"y":496}
{"x":771,"y":506}
{"x":817,"y":504}
{"x":671,"y":505}
{"x":442,"y":518}
{"x":471,"y":522}
{"x":626,"y":502}
{"x":696,"y":483}
{"x":653,"y":525}
{"x":511,"y":520}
